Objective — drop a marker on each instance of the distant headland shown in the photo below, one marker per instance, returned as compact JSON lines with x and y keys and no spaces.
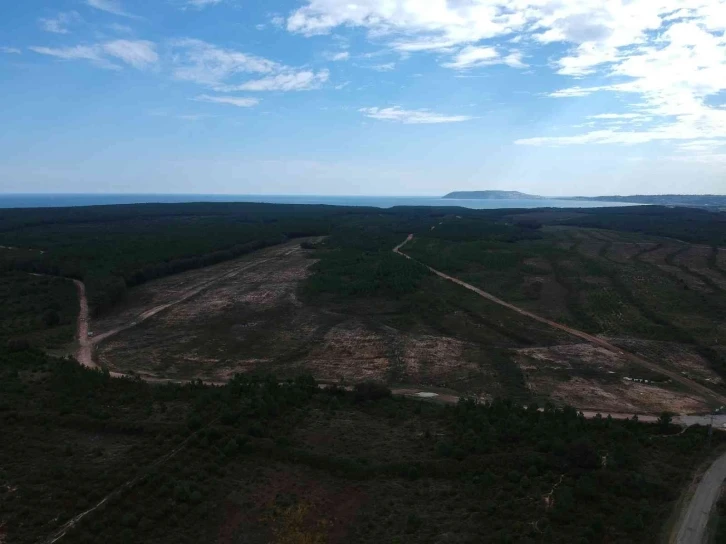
{"x":698,"y":201}
{"x":492,"y":195}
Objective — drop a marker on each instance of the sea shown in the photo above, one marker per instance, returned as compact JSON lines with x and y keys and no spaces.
{"x":68,"y":200}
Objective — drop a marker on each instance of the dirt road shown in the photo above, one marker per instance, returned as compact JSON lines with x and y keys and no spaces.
{"x":691,"y":527}
{"x":84,"y":352}
{"x":690,"y":384}
{"x":70,"y":524}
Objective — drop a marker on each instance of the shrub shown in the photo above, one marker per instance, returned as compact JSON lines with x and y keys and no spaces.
{"x":18,"y":344}
{"x":194,"y":422}
{"x":371,"y":391}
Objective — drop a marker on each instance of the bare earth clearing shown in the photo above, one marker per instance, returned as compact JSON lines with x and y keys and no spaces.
{"x":244,"y":315}
{"x":701,"y":392}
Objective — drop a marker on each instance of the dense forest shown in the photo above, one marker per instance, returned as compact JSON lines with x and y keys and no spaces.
{"x":113,"y":248}
{"x":291,"y":462}
{"x":687,"y":224}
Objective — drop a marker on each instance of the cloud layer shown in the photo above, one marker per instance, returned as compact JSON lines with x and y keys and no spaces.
{"x":240,"y":102}
{"x":206,"y":64}
{"x":665,"y":57}
{"x":139,"y":54}
{"x":412,"y":117}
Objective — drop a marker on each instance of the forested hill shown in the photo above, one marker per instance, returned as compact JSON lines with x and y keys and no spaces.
{"x":492,"y":195}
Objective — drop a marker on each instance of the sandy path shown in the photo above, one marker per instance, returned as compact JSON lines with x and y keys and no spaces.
{"x":63,"y":529}
{"x":84,"y":352}
{"x":691,"y":526}
{"x":690,"y":384}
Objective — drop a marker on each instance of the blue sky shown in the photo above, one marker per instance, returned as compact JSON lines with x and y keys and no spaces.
{"x":375,"y":97}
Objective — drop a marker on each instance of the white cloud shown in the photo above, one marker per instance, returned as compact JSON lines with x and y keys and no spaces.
{"x":342,"y":55}
{"x":240,"y":102}
{"x":666,"y":56}
{"x":441,"y":23}
{"x":139,"y":54}
{"x":217,"y":68}
{"x":203,"y":63}
{"x":79,"y":52}
{"x":514,"y":60}
{"x":305,"y":80}
{"x":109,"y":6}
{"x":616,"y":116}
{"x":412,"y":117}
{"x":477,"y":56}
{"x":59,"y":24}
{"x":471,"y":57}
{"x":10,"y":50}
{"x":387,"y":67}
{"x":673,"y":75}
{"x":201,"y":3}
{"x":573,"y":92}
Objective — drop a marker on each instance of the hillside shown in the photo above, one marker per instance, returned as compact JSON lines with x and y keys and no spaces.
{"x":492,"y":195}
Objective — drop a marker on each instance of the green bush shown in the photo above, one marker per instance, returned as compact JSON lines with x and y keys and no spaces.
{"x":370,"y":391}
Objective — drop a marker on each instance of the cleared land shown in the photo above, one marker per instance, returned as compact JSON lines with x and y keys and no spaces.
{"x":657,"y":299}
{"x":248,"y":315}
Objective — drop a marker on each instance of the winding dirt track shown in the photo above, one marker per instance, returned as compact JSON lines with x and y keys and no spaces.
{"x":690,"y":384}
